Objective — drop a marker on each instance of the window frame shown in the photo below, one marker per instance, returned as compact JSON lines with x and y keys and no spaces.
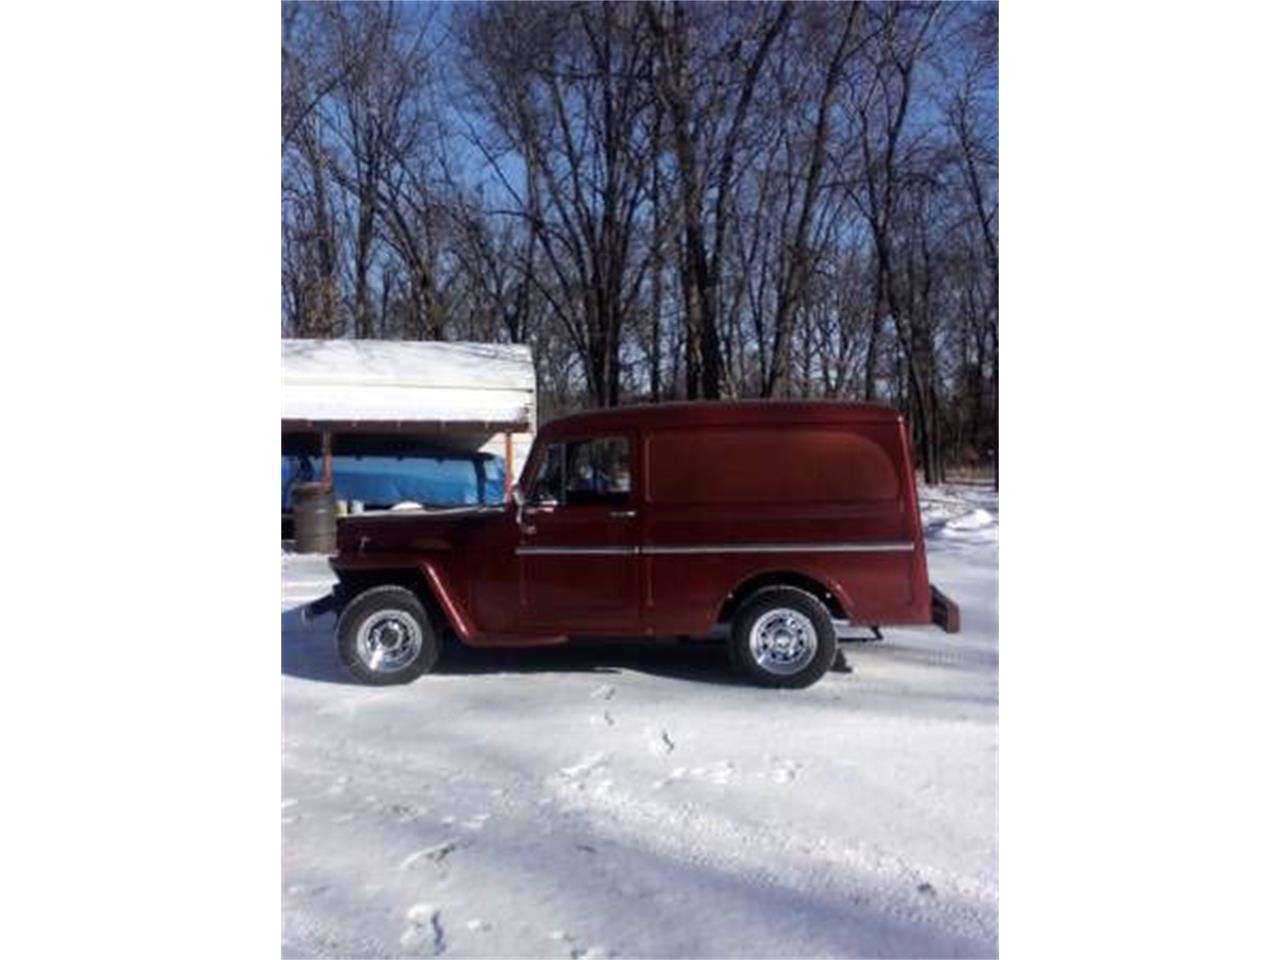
{"x":544,"y":454}
{"x":563,"y":443}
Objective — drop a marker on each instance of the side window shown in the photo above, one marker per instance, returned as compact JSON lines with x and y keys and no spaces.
{"x":548,"y":485}
{"x":597,"y":471}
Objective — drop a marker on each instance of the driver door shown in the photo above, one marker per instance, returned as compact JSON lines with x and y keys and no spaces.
{"x":578,"y":551}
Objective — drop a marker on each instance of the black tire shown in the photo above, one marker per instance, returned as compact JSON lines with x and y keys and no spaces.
{"x":771,"y":601}
{"x":361,"y":614}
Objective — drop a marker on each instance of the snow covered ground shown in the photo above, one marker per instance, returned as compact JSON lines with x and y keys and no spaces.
{"x":635,"y":801}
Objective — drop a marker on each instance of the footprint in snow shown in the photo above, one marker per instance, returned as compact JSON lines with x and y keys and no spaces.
{"x":583,"y":767}
{"x":719,"y":773}
{"x":785,"y":772}
{"x":298,"y":889}
{"x":435,"y":854}
{"x":592,"y":952}
{"x":604,"y":692}
{"x":660,"y":742}
{"x":404,"y":813}
{"x":424,"y":930}
{"x":679,"y":773}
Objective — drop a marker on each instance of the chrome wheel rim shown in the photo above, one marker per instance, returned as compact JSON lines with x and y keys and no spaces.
{"x":388,"y":641}
{"x":783,"y":641}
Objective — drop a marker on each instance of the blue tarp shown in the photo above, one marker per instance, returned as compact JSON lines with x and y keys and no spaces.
{"x":445,"y":480}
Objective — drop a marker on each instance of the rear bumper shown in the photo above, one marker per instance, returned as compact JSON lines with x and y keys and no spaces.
{"x":944,"y":611}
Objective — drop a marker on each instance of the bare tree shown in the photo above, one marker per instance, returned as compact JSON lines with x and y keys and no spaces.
{"x":570,"y":110}
{"x":797,"y":252}
{"x":665,"y":199}
{"x":702,"y":160}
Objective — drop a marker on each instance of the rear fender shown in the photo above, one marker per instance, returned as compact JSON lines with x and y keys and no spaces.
{"x":826,"y":591}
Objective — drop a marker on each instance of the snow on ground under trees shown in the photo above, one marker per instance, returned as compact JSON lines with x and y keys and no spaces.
{"x":636,"y":801}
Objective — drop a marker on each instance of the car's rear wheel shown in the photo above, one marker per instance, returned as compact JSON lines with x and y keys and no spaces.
{"x":385,"y":636}
{"x":783,"y":637}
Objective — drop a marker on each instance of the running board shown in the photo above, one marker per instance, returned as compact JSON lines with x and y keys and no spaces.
{"x":844,"y":633}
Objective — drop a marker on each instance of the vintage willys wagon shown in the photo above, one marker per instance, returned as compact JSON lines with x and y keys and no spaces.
{"x":778,"y":519}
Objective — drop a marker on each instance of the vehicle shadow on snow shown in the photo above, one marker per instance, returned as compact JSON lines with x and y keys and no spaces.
{"x":703,"y":662}
{"x":308,"y":652}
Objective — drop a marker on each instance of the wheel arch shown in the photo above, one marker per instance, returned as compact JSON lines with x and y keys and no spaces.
{"x":353,"y":582}
{"x":423,"y":579}
{"x":828,"y":594}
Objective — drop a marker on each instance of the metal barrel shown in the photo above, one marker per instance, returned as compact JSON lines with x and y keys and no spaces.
{"x":315,"y":520}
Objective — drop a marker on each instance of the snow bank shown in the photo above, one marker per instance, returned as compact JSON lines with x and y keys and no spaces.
{"x":973,"y":520}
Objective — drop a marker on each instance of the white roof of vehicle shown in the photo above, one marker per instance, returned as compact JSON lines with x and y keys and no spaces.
{"x":406,"y":381}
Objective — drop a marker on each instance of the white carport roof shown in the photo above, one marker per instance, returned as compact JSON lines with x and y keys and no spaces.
{"x":407,"y":382}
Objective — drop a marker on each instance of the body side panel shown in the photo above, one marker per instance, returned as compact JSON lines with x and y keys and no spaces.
{"x":775,"y":498}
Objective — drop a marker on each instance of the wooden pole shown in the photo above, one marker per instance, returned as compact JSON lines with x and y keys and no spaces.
{"x":510,"y":464}
{"x":326,"y":443}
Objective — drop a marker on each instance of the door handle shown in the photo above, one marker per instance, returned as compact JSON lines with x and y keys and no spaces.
{"x":622,"y":514}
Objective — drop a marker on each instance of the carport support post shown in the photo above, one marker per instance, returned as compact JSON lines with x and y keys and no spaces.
{"x":326,"y":448}
{"x":510,"y":463}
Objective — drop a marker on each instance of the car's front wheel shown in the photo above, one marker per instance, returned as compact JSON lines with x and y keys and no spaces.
{"x":385,"y":636}
{"x":783,"y":637}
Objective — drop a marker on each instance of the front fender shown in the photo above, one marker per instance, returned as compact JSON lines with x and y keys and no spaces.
{"x":429,"y":577}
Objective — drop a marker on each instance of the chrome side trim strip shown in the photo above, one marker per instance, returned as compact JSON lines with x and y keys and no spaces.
{"x":865,"y":546}
{"x":576,"y":551}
